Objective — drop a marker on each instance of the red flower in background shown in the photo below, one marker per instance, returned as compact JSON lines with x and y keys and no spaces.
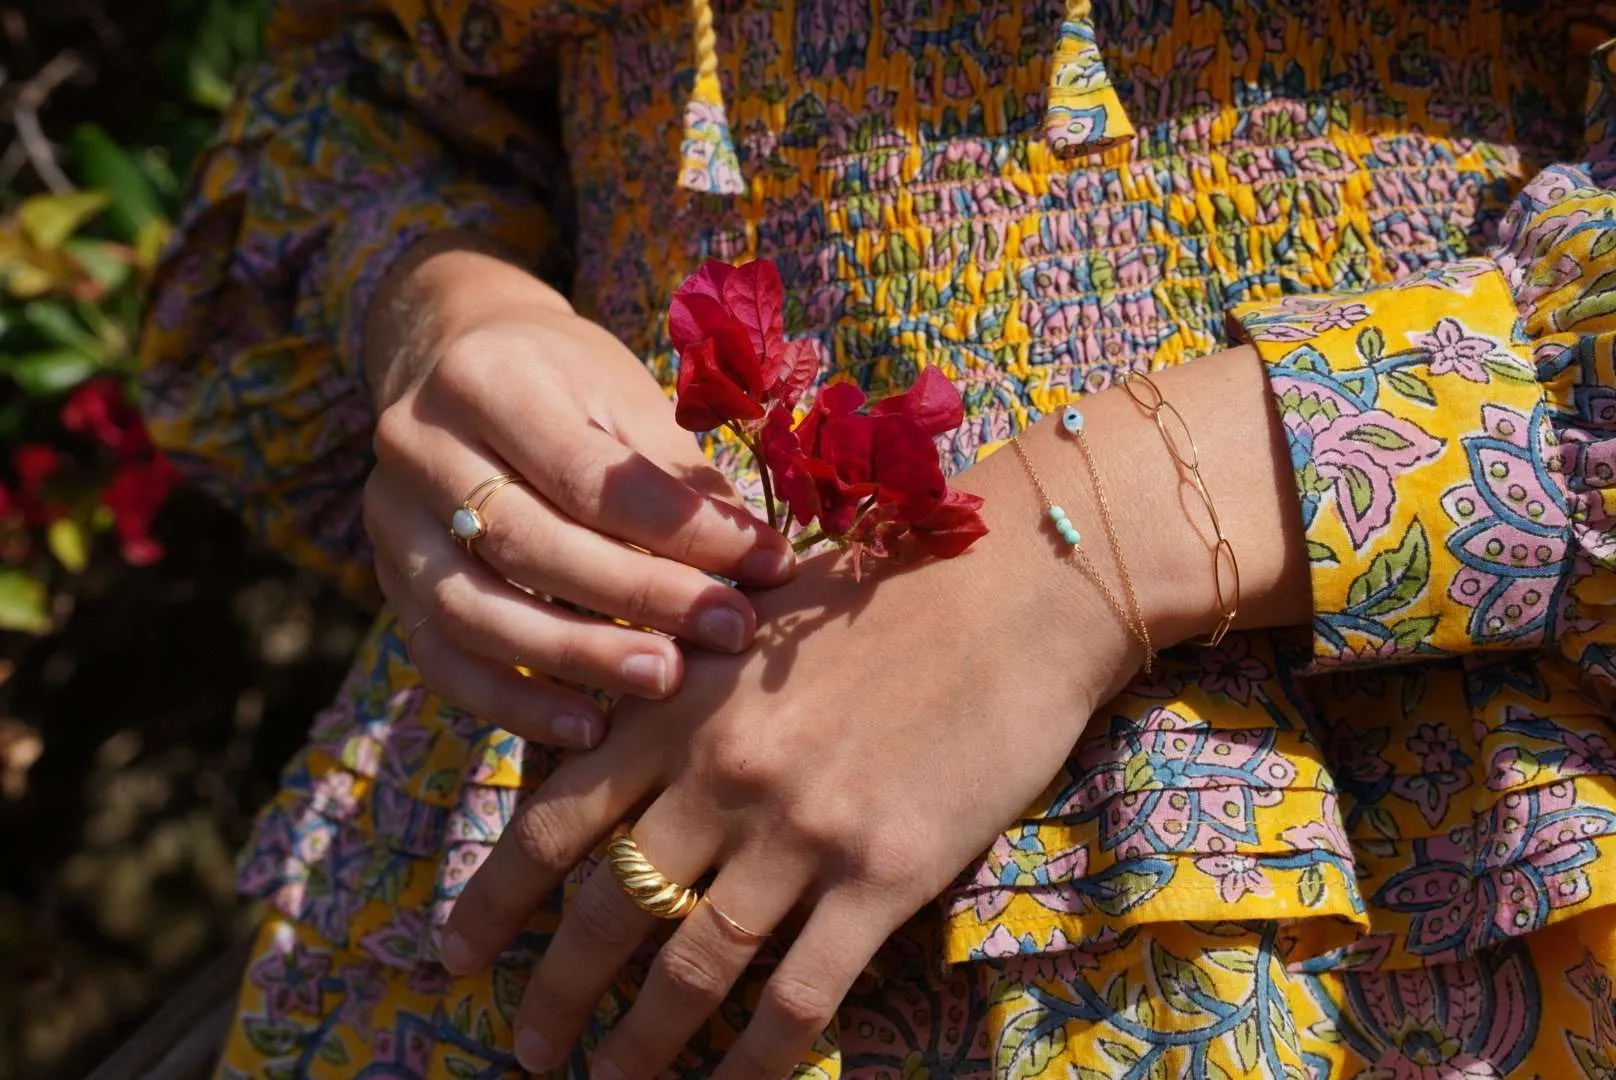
{"x":728,"y":325}
{"x":136,"y":492}
{"x":101,"y":409}
{"x":35,"y":465}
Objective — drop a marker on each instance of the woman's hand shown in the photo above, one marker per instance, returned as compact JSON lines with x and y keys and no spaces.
{"x":920,"y":719}
{"x":873,"y":743}
{"x":480,"y":369}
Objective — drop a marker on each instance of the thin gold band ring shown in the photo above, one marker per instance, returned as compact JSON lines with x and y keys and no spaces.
{"x":733,"y":925}
{"x":409,"y":635}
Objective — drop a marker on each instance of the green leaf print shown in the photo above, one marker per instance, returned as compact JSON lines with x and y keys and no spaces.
{"x":1360,"y":490}
{"x":1245,"y":1044}
{"x":1177,"y":978}
{"x":1239,"y":961}
{"x":333,"y":1051}
{"x":1412,"y":633}
{"x":1371,"y":344}
{"x":1410,"y":386}
{"x":1395,"y":578}
{"x":272,"y":1039}
{"x":1121,"y":1053}
{"x":1321,"y":553}
{"x":1311,"y":888}
{"x":1379,"y":436}
{"x":1125,"y":890}
{"x":1023,"y":1050}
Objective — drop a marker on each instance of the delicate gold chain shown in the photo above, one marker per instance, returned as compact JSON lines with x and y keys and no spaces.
{"x":1190,"y":463}
{"x":1129,"y":612}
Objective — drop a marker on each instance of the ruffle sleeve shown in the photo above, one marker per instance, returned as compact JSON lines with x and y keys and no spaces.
{"x":1453,"y":435}
{"x":334,"y":162}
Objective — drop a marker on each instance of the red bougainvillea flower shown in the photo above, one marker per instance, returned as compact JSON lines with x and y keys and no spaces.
{"x":871,"y":476}
{"x":136,"y":492}
{"x":35,"y":464}
{"x":100,"y":408}
{"x":728,"y":325}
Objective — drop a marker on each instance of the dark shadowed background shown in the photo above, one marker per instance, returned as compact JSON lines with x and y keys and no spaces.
{"x":156,"y":669}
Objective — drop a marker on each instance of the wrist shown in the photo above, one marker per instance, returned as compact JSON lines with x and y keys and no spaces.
{"x":1165,"y":534}
{"x":1167,"y":531}
{"x":440,"y":289}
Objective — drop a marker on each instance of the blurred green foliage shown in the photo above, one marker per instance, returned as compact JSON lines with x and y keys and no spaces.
{"x":74,"y":268}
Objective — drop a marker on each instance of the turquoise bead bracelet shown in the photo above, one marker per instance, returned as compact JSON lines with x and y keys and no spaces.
{"x":1072,"y":421}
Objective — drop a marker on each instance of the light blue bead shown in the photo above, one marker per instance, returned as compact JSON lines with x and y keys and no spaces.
{"x":1070,"y":535}
{"x":1056,"y":514}
{"x":1072,"y":420}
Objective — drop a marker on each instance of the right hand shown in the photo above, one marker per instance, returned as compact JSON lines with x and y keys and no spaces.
{"x":618,"y":511}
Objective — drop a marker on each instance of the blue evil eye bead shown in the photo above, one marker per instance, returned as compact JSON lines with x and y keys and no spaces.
{"x":1072,"y":420}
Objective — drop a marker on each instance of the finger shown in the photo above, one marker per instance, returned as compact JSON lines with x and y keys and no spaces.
{"x":529,"y":542}
{"x":802,"y":996}
{"x":533,"y":708}
{"x":600,"y":929}
{"x":489,"y":617}
{"x":698,"y":965}
{"x":573,"y":810}
{"x":598,"y":481}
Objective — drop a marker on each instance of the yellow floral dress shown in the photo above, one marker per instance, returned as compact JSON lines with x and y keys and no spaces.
{"x":1383,"y":849}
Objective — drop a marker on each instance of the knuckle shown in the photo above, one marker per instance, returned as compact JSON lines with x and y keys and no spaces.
{"x":453,"y":599}
{"x":639,"y":603}
{"x":577,"y":480}
{"x":801,"y":1004}
{"x":599,"y":918}
{"x":739,"y":762}
{"x":567,"y":654}
{"x":393,"y":435}
{"x":693,"y":973}
{"x":534,"y":833}
{"x":463,"y":369}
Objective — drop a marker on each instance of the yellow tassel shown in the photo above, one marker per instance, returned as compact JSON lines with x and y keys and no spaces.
{"x":707,"y":157}
{"x":1084,"y":112}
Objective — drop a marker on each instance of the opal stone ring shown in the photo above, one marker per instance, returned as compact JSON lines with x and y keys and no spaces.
{"x":467,"y":524}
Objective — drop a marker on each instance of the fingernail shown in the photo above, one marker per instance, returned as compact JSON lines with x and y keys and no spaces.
{"x":649,"y":670}
{"x":765,"y":565}
{"x":457,"y":954}
{"x":573,"y":730}
{"x":533,"y":1050}
{"x":722,"y":628}
{"x":605,"y":1070}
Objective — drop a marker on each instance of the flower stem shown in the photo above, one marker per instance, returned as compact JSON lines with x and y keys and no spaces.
{"x":763,"y":471}
{"x":807,"y":539}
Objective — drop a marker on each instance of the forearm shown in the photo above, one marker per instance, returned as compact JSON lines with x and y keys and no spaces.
{"x":1165,"y":532}
{"x":444,"y":286}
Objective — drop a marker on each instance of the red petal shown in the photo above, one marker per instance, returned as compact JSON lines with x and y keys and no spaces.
{"x":35,"y":463}
{"x":798,"y":371}
{"x":904,"y":463}
{"x":688,"y":318}
{"x":842,"y":397}
{"x":932,"y":402}
{"x":951,"y":528}
{"x":707,"y":396}
{"x":756,"y":300}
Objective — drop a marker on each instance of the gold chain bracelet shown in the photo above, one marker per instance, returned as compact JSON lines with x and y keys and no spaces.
{"x":1128,"y":612}
{"x":1189,"y":461}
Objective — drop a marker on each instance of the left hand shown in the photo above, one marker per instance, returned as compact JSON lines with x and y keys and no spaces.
{"x":927,"y":708}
